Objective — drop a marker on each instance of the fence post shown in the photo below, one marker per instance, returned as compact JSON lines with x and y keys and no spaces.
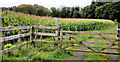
{"x":118,"y":30}
{"x":31,"y":33}
{"x":76,"y":28}
{"x":56,"y":32}
{"x":1,"y":36}
{"x":118,"y":37}
{"x":19,"y":32}
{"x":61,"y":35}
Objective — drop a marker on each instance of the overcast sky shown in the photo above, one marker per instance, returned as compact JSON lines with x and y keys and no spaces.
{"x":46,"y":3}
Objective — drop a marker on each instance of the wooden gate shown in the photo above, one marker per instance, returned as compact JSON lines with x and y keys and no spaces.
{"x":80,"y":41}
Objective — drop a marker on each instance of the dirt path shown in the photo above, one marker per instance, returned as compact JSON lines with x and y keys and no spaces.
{"x":81,"y":55}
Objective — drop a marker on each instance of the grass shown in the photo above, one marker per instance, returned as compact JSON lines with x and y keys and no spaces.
{"x":36,"y":52}
{"x":39,"y":52}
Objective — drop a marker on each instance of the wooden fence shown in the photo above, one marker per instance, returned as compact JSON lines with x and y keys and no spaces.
{"x":19,"y":35}
{"x":3,"y":39}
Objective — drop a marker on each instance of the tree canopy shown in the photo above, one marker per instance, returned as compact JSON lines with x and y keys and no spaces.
{"x":96,"y":10}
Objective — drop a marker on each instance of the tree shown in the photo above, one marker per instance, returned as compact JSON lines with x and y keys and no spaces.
{"x":68,"y":12}
{"x":71,"y":12}
{"x":53,"y":10}
{"x":58,"y":12}
{"x":116,"y":13}
{"x":63,"y":12}
{"x":30,"y":9}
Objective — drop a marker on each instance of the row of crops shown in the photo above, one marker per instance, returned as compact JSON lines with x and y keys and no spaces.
{"x":11,"y":19}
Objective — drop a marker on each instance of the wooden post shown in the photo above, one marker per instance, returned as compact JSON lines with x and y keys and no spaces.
{"x":31,"y":36}
{"x":41,"y":37}
{"x":118,"y":37}
{"x":61,"y":35}
{"x":76,"y":28}
{"x":118,"y":30}
{"x":19,"y":32}
{"x":1,"y":36}
{"x":19,"y":39}
{"x":35,"y":35}
{"x":56,"y":32}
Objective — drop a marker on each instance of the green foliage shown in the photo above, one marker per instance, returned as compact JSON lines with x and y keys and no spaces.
{"x":11,"y":19}
{"x":100,"y":10}
{"x":66,"y":12}
{"x":84,"y":25}
{"x":30,"y":9}
{"x":53,"y":9}
{"x":8,"y":46}
{"x":39,"y":52}
{"x":54,"y":55}
{"x":116,"y":11}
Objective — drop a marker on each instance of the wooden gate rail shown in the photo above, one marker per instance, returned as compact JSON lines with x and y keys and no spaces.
{"x":14,"y":28}
{"x":14,"y":37}
{"x":94,"y":52}
{"x":91,"y":37}
{"x":45,"y":34}
{"x":88,"y":32}
{"x":44,"y":42}
{"x":90,"y":46}
{"x":45,"y":27}
{"x":112,"y":43}
{"x":89,"y":42}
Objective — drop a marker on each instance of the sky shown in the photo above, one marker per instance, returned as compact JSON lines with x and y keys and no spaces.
{"x":46,"y":3}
